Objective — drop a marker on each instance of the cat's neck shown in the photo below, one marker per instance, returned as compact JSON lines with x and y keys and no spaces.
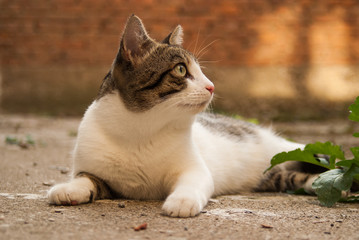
{"x":138,"y":127}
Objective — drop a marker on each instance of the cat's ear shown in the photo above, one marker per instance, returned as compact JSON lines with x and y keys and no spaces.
{"x":175,"y":37}
{"x":135,"y":43}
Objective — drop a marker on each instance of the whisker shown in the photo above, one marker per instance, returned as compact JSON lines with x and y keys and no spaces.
{"x":195,"y":47}
{"x":201,"y":45}
{"x":210,"y":61}
{"x":206,"y":47}
{"x":215,"y":97}
{"x":191,"y":97}
{"x":202,"y":54}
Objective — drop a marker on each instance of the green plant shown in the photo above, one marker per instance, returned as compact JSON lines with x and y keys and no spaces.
{"x":341,"y":173}
{"x":20,"y":142}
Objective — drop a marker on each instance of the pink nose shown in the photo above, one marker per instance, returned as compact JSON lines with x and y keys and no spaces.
{"x":210,"y":89}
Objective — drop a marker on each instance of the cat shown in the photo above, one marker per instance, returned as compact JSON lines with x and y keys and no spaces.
{"x":146,"y":135}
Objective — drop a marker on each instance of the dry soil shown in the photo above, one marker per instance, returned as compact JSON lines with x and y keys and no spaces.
{"x":27,"y":171}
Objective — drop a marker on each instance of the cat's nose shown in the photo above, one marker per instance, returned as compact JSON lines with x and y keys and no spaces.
{"x":210,"y":88}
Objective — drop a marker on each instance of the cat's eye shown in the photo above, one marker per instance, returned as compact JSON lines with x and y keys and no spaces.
{"x":180,"y":70}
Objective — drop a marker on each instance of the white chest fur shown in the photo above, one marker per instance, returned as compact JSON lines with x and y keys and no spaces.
{"x":137,"y":154}
{"x":142,"y":155}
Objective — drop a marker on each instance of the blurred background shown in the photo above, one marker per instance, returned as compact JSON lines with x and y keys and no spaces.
{"x":269,"y":59}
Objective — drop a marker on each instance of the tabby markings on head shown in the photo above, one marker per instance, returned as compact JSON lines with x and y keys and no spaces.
{"x":146,"y":72}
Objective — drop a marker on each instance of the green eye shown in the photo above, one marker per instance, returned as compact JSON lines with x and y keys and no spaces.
{"x":180,"y":70}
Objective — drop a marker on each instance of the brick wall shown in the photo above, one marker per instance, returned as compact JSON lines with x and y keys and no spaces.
{"x":53,"y":54}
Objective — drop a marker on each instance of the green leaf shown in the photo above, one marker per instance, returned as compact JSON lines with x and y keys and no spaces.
{"x":326,"y":148}
{"x":330,"y":184}
{"x":11,"y":140}
{"x":295,"y":155}
{"x":354,"y":111}
{"x":29,"y":140}
{"x":356,"y":134}
{"x":355,"y":151}
{"x":345,"y":163}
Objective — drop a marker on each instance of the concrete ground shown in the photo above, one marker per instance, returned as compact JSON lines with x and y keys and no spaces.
{"x":39,"y":157}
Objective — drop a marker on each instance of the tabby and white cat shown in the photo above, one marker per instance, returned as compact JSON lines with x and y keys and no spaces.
{"x":145,"y":138}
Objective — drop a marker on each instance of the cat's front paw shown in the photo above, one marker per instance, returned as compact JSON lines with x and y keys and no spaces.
{"x":180,"y":205}
{"x":69,"y":194}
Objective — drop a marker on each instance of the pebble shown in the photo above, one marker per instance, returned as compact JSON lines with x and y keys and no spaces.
{"x":58,"y":210}
{"x":64,"y":170}
{"x":266,"y":226}
{"x":2,"y":217}
{"x":143,"y":226}
{"x":121,"y":205}
{"x":51,"y":220}
{"x":49,"y":183}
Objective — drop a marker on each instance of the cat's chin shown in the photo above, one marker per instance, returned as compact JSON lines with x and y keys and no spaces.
{"x":194,"y":107}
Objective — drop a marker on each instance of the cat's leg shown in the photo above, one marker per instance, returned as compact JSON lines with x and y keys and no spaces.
{"x":83,"y":188}
{"x":190,"y":195}
{"x":278,"y":180}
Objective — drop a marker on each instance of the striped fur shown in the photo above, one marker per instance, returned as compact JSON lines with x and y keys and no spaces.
{"x":145,"y":79}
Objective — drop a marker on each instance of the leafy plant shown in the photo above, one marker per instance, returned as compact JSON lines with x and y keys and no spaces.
{"x":341,"y":173}
{"x":20,"y":142}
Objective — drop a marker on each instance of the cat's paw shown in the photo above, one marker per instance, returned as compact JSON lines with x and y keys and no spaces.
{"x":69,"y":194}
{"x":180,"y":205}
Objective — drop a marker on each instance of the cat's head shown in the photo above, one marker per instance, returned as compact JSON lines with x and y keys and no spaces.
{"x":148,"y":73}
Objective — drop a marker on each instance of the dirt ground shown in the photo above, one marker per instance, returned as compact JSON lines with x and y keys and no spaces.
{"x":27,"y":171}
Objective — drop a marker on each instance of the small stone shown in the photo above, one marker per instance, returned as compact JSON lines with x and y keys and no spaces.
{"x":58,"y":210}
{"x":143,"y":226}
{"x":266,"y":226}
{"x":186,"y":228}
{"x":34,"y":164}
{"x":103,"y":214}
{"x":2,"y":217}
{"x":327,"y":233}
{"x":23,"y":145}
{"x":51,"y":220}
{"x":121,"y":205}
{"x":64,"y":170}
{"x":49,"y":183}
